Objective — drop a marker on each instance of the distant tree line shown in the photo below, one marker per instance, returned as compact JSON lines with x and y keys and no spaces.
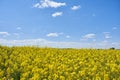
{"x":112,"y":48}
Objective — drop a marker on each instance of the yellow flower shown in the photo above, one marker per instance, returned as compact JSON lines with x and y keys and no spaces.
{"x":62,"y":78}
{"x":106,"y":77}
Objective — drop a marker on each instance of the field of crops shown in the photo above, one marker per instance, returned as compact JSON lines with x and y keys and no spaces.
{"x":32,"y":63}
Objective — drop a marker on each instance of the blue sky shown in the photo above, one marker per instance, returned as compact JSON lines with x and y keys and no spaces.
{"x":60,"y":23}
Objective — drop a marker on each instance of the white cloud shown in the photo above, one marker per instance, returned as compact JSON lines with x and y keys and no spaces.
{"x":114,"y":28}
{"x":107,"y":35}
{"x":52,"y":35}
{"x":67,"y":36}
{"x":49,"y":3}
{"x":88,"y":36}
{"x":22,"y":42}
{"x":4,"y":33}
{"x":76,"y":7}
{"x":57,"y":14}
{"x":18,"y":28}
{"x":44,"y":43}
{"x":37,"y":5}
{"x":114,"y":44}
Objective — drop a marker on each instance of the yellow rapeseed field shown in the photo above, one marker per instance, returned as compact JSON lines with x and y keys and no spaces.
{"x":33,"y":63}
